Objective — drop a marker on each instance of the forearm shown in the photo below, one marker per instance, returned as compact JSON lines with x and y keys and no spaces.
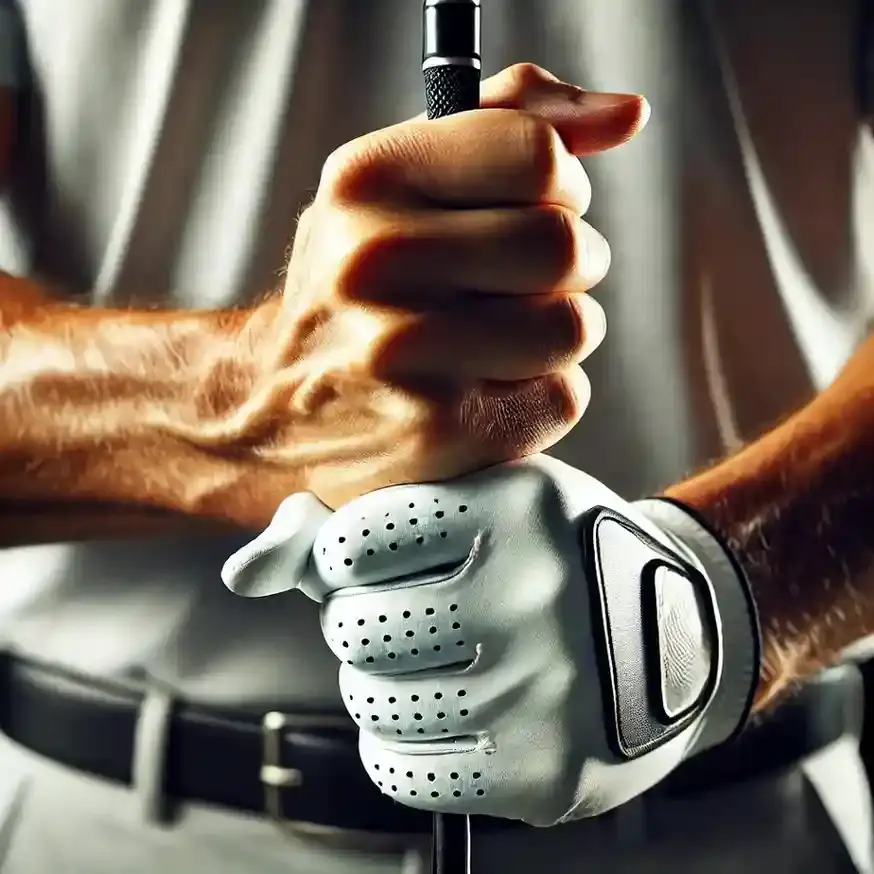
{"x":797,"y":507}
{"x":26,"y":523}
{"x":95,"y":406}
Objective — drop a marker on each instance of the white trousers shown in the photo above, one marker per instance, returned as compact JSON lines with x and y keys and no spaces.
{"x":815,"y":820}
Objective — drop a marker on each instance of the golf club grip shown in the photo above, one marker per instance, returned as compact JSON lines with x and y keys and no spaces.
{"x":450,"y":89}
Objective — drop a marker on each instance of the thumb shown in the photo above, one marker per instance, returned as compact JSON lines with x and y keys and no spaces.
{"x":277,"y":559}
{"x":587,"y":121}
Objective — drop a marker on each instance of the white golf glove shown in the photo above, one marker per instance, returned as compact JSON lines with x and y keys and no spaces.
{"x":519,"y":643}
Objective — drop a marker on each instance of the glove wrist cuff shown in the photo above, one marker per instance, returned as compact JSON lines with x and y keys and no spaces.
{"x":727,"y":714}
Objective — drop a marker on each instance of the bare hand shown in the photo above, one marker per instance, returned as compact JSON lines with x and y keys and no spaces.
{"x":435,"y":310}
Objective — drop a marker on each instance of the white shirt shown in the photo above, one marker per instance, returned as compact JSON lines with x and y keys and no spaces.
{"x":171,"y":143}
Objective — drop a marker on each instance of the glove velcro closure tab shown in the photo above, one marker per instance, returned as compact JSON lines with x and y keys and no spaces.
{"x":736,"y":614}
{"x":657,"y":633}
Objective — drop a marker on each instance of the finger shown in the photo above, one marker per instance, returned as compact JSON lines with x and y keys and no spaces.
{"x":595,"y":123}
{"x":506,"y":339}
{"x":418,"y":707}
{"x":587,"y":121}
{"x":399,"y":627}
{"x":512,"y":251}
{"x":509,"y":87}
{"x":276,"y":560}
{"x":515,"y":420}
{"x":401,"y":532}
{"x":535,"y":90}
{"x":456,"y":778}
{"x":476,"y":159}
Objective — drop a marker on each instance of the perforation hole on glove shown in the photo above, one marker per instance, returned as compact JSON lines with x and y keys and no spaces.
{"x":408,"y":635}
{"x":373,"y":547}
{"x":428,"y":540}
{"x":427,"y":781}
{"x":409,"y":714}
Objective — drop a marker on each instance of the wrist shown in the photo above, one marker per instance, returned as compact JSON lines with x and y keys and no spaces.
{"x":737,"y":621}
{"x":232,"y":411}
{"x":232,"y":365}
{"x":747,"y":501}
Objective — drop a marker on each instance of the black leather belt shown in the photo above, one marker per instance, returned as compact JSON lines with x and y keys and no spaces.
{"x":305,"y":768}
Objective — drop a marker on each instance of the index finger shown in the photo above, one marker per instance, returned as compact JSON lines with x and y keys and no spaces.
{"x":400,"y":532}
{"x":479,"y":159}
{"x":519,"y":150}
{"x":530,"y":88}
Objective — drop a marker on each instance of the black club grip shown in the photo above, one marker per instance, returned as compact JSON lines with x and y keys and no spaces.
{"x":450,"y":89}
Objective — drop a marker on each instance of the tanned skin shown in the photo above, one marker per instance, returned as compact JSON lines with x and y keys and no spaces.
{"x":797,"y":508}
{"x":124,"y":423}
{"x":350,"y":378}
{"x":85,"y":398}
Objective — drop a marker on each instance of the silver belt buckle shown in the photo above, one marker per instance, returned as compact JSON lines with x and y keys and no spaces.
{"x":276,"y":778}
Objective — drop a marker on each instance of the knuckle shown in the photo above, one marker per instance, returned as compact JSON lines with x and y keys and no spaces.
{"x":543,"y":150}
{"x":557,"y":402}
{"x":505,"y":425}
{"x":361,"y":262}
{"x":578,"y":184}
{"x":531,"y":418}
{"x":338,"y":167}
{"x":351,"y":170}
{"x":524,"y":77}
{"x":594,"y":254}
{"x":569,"y":393}
{"x":569,"y":330}
{"x":560,"y":239}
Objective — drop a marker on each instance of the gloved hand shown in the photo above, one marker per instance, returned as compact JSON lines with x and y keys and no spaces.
{"x":520,"y":642}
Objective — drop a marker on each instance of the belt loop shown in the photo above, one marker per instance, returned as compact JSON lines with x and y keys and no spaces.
{"x":149,"y":764}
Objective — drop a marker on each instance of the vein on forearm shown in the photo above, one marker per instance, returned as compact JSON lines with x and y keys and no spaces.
{"x":82,"y":394}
